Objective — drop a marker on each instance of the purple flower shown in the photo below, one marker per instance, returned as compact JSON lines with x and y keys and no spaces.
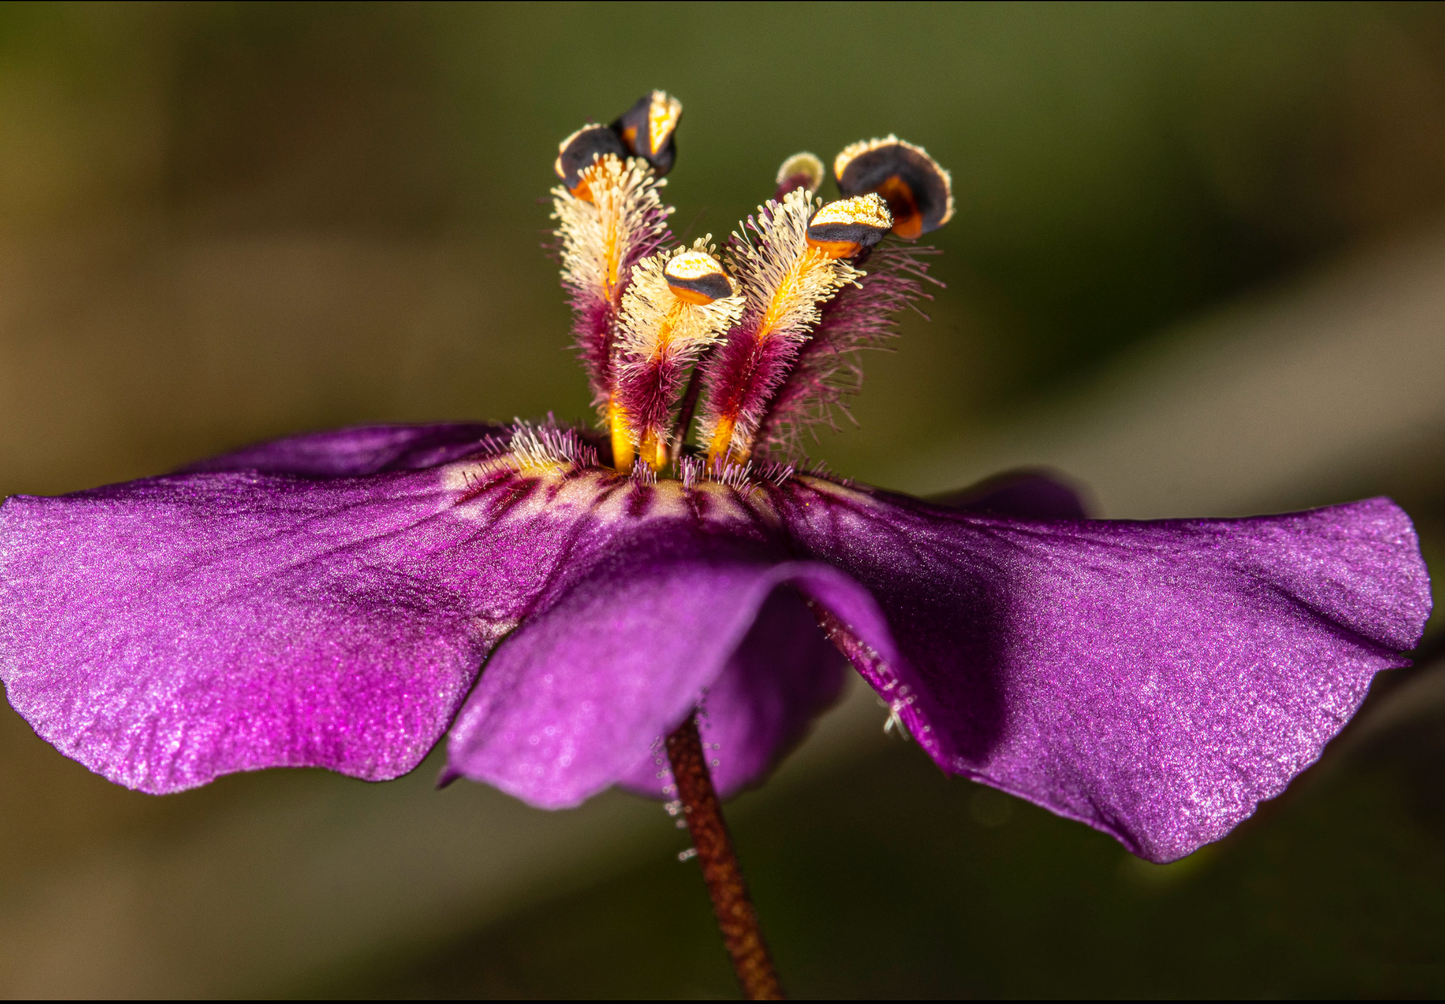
{"x":556,"y":601}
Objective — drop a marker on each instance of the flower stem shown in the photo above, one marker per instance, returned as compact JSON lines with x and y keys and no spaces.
{"x":736,"y":917}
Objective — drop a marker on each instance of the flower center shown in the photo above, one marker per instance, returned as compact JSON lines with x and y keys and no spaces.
{"x":754,"y":342}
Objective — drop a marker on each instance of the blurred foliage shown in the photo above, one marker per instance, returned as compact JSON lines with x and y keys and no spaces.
{"x":1117,"y":166}
{"x":894,"y":881}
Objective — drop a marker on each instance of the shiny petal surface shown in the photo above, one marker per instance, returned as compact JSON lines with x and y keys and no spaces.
{"x":167,"y":631}
{"x":1155,"y":680}
{"x":667,"y":606}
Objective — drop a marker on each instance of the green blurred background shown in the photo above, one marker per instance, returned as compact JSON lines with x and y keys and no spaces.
{"x":222,"y":222}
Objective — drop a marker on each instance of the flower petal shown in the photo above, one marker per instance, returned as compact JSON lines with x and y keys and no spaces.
{"x":1156,"y":680}
{"x":652,"y":616}
{"x":782,"y":675}
{"x":166,"y":631}
{"x":364,"y":449}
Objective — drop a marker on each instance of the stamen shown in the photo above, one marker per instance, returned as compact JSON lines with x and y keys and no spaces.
{"x":622,"y":222}
{"x":801,"y":170}
{"x":785,"y":281}
{"x":771,"y":339}
{"x":679,"y":303}
{"x":918,"y":190}
{"x":828,"y":371}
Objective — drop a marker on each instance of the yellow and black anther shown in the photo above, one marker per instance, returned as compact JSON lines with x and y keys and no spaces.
{"x":578,"y":152}
{"x":649,"y":128}
{"x":845,"y":228}
{"x":697,"y":277}
{"x":919,"y":192}
{"x":801,"y":170}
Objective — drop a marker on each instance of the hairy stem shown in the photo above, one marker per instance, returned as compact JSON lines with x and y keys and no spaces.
{"x":736,"y":917}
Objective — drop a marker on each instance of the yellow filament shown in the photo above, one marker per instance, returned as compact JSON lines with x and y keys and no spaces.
{"x":622,"y":450}
{"x":721,"y":439}
{"x":654,"y":452}
{"x":664,"y":331}
{"x":613,"y":257}
{"x":786,"y":289}
{"x":607,"y":201}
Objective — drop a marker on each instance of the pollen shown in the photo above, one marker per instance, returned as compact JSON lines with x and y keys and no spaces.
{"x":657,"y":321}
{"x":697,"y":277}
{"x":919,"y":192}
{"x":844,"y":228}
{"x":801,"y":170}
{"x":648,"y":128}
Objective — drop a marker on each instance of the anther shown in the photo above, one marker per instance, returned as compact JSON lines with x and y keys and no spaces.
{"x":697,"y":277}
{"x":919,"y":192}
{"x":578,"y":152}
{"x":844,"y":228}
{"x":648,"y":128}
{"x":801,"y":170}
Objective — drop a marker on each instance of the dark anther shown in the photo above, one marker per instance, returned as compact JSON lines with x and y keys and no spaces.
{"x":695,"y":277}
{"x":918,"y":191}
{"x":844,"y":228}
{"x":580,"y":150}
{"x":649,"y":129}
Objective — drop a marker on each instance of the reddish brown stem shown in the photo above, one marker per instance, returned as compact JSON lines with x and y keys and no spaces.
{"x":736,"y":917}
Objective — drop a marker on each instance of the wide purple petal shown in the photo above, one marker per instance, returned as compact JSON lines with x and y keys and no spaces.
{"x":666,"y":605}
{"x":1155,"y":680}
{"x":364,"y":449}
{"x":166,"y":631}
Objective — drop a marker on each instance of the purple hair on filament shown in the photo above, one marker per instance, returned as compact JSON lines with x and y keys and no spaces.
{"x":827,"y":371}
